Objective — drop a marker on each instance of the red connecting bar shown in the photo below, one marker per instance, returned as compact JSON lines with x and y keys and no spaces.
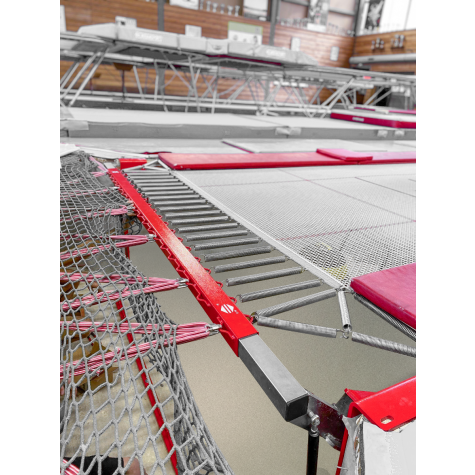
{"x":218,"y":306}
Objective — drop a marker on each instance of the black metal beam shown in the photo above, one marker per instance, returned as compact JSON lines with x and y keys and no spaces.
{"x":161,"y":14}
{"x":275,"y":7}
{"x":304,"y":3}
{"x":312,"y":453}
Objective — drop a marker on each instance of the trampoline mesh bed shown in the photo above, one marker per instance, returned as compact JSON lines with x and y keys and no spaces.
{"x":339,"y":222}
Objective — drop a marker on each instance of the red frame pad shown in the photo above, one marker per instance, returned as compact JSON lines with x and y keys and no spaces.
{"x":131,"y":162}
{"x":385,"y":122}
{"x":393,"y":157}
{"x":343,"y":154}
{"x":393,"y":290}
{"x":213,"y":161}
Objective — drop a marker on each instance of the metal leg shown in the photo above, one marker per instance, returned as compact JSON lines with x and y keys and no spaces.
{"x":312,"y":452}
{"x":88,"y":77}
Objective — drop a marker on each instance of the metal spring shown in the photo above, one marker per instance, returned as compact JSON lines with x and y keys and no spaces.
{"x":218,"y":219}
{"x":160,"y":186}
{"x":193,"y":213}
{"x":345,"y":315}
{"x":293,"y":304}
{"x":154,"y":179}
{"x":148,"y":174}
{"x":158,"y":182}
{"x":163,"y":184}
{"x":185,"y":208}
{"x":166,"y":193}
{"x":211,"y":227}
{"x":402,"y":327}
{"x":168,"y":197}
{"x":248,"y":264}
{"x":167,"y":187}
{"x":216,"y":244}
{"x":166,"y":203}
{"x":284,"y":289}
{"x":383,"y":344}
{"x":296,"y":327}
{"x":264,"y":276}
{"x":239,"y":253}
{"x":203,"y":237}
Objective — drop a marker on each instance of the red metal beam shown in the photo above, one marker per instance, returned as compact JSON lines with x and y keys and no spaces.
{"x":218,"y":306}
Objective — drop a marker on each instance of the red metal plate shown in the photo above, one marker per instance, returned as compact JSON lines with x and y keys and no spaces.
{"x":396,"y":404}
{"x":219,"y":307}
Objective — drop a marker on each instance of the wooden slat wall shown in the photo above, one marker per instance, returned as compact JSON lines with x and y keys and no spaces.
{"x":362,"y":47}
{"x":88,"y":12}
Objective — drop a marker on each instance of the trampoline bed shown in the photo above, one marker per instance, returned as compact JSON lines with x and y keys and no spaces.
{"x":339,"y":222}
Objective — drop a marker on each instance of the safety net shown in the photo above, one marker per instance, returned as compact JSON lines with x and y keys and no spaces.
{"x":124,"y":398}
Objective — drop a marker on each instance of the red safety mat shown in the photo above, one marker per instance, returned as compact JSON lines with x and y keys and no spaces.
{"x":393,"y":111}
{"x":347,"y":155}
{"x":393,"y":290}
{"x":215,"y":161}
{"x":212,"y":161}
{"x":385,"y":122}
{"x":393,"y":157}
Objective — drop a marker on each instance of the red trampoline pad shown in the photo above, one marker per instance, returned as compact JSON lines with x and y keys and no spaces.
{"x":393,"y":290}
{"x":214,"y":161}
{"x":385,"y":122}
{"x":347,"y":155}
{"x":393,"y":157}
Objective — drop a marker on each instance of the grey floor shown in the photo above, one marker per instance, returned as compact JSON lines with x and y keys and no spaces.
{"x":249,"y":431}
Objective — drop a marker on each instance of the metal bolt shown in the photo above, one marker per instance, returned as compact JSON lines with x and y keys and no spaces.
{"x":314,"y":422}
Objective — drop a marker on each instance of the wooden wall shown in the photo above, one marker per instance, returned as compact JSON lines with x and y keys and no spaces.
{"x":362,"y":47}
{"x":88,"y":12}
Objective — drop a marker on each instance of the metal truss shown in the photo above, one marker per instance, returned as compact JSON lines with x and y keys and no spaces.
{"x":219,"y":82}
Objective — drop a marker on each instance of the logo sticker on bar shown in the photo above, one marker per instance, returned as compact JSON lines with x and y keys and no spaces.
{"x":227,"y":308}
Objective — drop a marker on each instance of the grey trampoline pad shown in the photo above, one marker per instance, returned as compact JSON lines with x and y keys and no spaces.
{"x":342,"y":221}
{"x":314,"y":123}
{"x":304,"y":145}
{"x":409,"y":143}
{"x":389,"y":145}
{"x":167,"y":119}
{"x":135,"y":145}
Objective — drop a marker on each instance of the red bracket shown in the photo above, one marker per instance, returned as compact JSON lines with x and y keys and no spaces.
{"x":218,"y":306}
{"x":388,"y":408}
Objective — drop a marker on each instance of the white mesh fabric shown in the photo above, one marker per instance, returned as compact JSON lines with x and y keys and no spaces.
{"x":345,"y":221}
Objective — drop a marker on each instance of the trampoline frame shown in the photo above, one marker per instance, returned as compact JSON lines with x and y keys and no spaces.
{"x":263,"y":80}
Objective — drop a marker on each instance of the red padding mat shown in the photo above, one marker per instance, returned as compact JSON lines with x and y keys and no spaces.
{"x":347,"y":155}
{"x":393,"y":157}
{"x":385,"y":122}
{"x":213,"y":161}
{"x":393,"y":290}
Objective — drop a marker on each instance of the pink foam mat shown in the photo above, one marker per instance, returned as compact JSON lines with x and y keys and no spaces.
{"x":324,"y":157}
{"x":393,"y":290}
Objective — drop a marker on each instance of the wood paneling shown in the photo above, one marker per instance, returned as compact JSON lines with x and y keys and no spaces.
{"x":363,"y":48}
{"x":363,"y":43}
{"x":88,"y":12}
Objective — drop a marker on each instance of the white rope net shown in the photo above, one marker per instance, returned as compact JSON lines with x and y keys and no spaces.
{"x":110,"y":417}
